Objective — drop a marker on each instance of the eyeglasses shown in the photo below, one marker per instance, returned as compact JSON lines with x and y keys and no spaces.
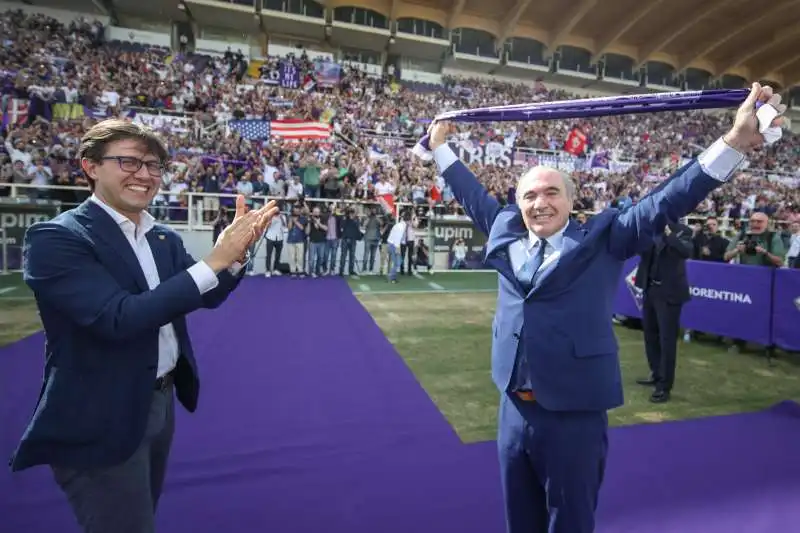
{"x":133,"y":164}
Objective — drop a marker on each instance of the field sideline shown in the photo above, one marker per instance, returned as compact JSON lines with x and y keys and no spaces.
{"x":441,"y":325}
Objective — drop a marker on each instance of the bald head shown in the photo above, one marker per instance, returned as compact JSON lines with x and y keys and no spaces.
{"x":758,"y":222}
{"x":535,"y":173}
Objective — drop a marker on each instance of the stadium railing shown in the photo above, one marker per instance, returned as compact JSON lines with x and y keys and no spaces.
{"x":192,"y":216}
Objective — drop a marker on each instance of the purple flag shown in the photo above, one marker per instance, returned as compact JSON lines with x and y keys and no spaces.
{"x":600,"y":160}
{"x":594,"y":107}
{"x":290,"y":75}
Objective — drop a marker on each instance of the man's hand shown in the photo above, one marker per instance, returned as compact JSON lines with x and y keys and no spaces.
{"x":263,"y":217}
{"x":745,"y":135}
{"x":245,"y":230}
{"x":233,"y":242}
{"x":438,"y":132}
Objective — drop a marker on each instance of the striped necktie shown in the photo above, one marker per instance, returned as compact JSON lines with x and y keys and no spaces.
{"x":532,"y":265}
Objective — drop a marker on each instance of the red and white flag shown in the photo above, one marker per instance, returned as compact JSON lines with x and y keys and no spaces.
{"x":300,"y":129}
{"x":386,"y":201}
{"x":16,"y":111}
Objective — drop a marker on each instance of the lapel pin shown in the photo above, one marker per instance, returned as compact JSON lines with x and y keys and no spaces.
{"x":161,"y":237}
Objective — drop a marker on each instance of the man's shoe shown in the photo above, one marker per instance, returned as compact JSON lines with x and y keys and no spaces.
{"x":660,"y":396}
{"x":649,"y":382}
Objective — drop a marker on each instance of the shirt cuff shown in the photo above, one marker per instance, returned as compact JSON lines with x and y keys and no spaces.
{"x":203,"y":276}
{"x":444,"y":157}
{"x":720,"y":161}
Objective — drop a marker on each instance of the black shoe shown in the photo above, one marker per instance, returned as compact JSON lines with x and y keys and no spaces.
{"x":649,"y":382}
{"x":660,"y":396}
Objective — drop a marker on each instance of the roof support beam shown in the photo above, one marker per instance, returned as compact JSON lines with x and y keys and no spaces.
{"x":775,"y":66}
{"x":569,"y":20}
{"x":624,"y":25}
{"x":765,"y":13}
{"x":745,"y":54}
{"x":673,"y":32}
{"x":458,"y":7}
{"x":509,"y":23}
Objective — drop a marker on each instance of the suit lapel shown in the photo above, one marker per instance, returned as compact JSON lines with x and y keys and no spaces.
{"x":160,"y":246}
{"x":101,"y":225}
{"x":507,"y":228}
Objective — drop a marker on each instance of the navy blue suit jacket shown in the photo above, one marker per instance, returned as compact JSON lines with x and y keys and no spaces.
{"x":567,"y":336}
{"x":669,"y":259}
{"x":102,"y":323}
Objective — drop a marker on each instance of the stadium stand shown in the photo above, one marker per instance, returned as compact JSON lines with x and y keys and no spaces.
{"x":304,"y":127}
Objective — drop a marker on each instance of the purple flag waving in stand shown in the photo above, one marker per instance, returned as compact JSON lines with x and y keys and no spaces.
{"x":290,"y":75}
{"x":600,"y":160}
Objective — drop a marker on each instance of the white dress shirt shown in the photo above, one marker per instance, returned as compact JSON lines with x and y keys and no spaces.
{"x":719,"y":161}
{"x":202,"y":274}
{"x":794,"y":246}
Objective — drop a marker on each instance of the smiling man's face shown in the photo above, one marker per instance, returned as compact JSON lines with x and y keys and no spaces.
{"x":127,"y":178}
{"x":544,"y":200}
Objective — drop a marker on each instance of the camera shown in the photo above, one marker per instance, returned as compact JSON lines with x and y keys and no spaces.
{"x":750,"y":244}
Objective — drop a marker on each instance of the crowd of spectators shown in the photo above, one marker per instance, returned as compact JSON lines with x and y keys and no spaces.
{"x":374,"y":119}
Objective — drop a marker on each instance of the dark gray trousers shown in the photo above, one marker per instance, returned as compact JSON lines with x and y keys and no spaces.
{"x":123,"y":498}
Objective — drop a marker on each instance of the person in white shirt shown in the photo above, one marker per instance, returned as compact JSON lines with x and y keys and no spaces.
{"x":395,"y":240}
{"x":274,"y":236}
{"x":793,"y":255}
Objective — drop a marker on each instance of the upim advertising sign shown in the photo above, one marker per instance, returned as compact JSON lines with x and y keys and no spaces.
{"x":15,"y":219}
{"x":449,"y":233}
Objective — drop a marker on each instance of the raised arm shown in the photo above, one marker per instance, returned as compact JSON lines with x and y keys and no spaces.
{"x":479,"y":205}
{"x":633,"y":229}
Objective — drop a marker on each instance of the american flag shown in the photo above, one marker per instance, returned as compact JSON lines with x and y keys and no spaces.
{"x":300,"y":129}
{"x":251,"y":129}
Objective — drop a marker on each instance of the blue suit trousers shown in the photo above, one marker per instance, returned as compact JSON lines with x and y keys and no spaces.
{"x":551,"y":466}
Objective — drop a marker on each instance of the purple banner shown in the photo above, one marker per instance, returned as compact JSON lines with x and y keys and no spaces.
{"x":786,"y":309}
{"x":729,"y":300}
{"x":290,"y":75}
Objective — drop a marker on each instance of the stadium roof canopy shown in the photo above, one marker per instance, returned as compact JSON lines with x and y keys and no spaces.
{"x":737,"y":37}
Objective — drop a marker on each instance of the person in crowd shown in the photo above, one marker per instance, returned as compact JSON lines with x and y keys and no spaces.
{"x":708,"y":244}
{"x":758,"y":245}
{"x":793,"y":254}
{"x":662,"y":278}
{"x":296,"y":242}
{"x":275,"y":234}
{"x":423,"y":258}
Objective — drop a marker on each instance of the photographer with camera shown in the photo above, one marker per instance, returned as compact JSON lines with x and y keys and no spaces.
{"x":709,"y":245}
{"x":317,"y":238}
{"x":758,"y":246}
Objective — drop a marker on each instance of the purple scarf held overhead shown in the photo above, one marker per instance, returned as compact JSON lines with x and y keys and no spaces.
{"x":598,"y":107}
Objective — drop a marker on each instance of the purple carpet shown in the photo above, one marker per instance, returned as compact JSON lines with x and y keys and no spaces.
{"x":304,"y":428}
